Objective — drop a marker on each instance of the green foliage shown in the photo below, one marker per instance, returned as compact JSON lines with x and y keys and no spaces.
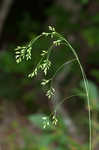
{"x":37,"y":119}
{"x":92,"y":92}
{"x":44,"y":65}
{"x":54,"y":139}
{"x":13,"y":77}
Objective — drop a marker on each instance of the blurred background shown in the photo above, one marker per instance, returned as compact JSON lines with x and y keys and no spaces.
{"x":22,"y":101}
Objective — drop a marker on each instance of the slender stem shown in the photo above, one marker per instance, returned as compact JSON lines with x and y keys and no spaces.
{"x":68,"y":62}
{"x":86,"y":88}
{"x":83,"y":74}
{"x":52,"y":78}
{"x":67,"y":98}
{"x":35,"y":39}
{"x":85,"y":83}
{"x":49,"y":51}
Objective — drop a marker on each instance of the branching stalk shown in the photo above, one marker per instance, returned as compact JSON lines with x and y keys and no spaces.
{"x":44,"y":65}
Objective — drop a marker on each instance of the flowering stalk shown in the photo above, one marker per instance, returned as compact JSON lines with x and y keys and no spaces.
{"x":44,"y":65}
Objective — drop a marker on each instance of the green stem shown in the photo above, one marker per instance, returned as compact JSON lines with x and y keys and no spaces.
{"x":83,"y":74}
{"x":86,"y":87}
{"x":35,"y":39}
{"x":49,"y":51}
{"x":68,"y":62}
{"x":67,"y":98}
{"x":85,"y":83}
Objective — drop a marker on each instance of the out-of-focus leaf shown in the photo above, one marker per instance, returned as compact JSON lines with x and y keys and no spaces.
{"x":92,"y":91}
{"x":37,"y":119}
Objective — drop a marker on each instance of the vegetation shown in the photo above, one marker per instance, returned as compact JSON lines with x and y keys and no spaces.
{"x":65,"y":115}
{"x":44,"y":65}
